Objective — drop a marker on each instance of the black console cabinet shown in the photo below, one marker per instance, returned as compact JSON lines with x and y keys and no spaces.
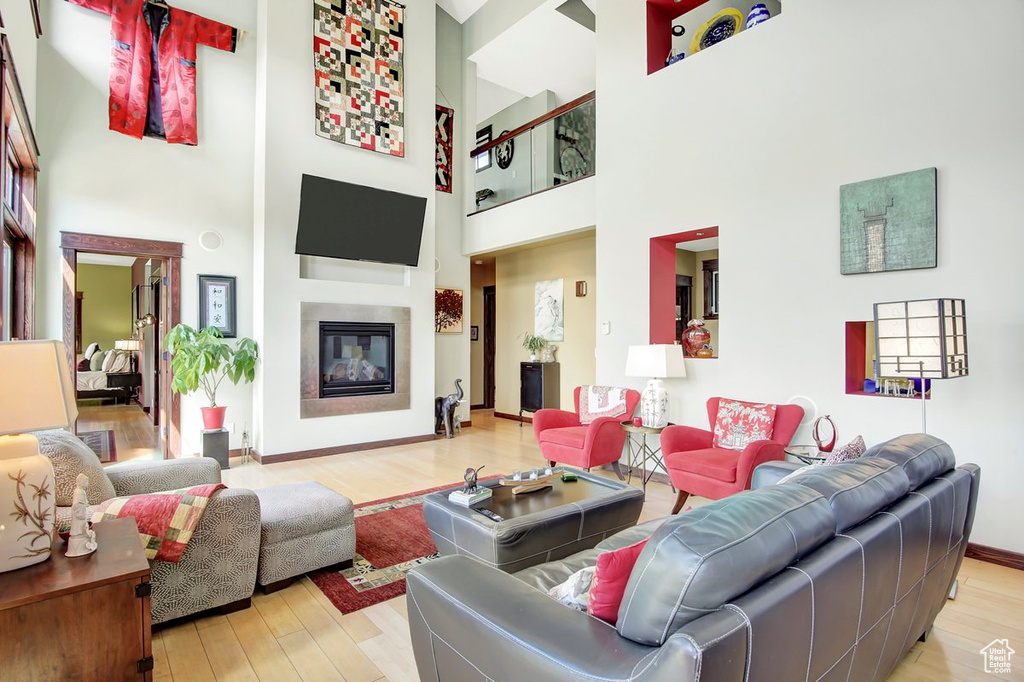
{"x":538,"y":386}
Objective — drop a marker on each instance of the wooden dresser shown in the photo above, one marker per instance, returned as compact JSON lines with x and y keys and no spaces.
{"x":85,"y":618}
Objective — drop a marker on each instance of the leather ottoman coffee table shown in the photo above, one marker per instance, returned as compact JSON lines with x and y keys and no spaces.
{"x":536,"y":527}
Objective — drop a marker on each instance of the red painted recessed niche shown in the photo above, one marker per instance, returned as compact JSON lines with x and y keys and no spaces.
{"x":660,"y":16}
{"x":860,"y":340}
{"x":663,"y":281}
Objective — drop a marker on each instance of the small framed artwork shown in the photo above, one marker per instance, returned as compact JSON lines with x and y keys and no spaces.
{"x":474,"y":333}
{"x":217,"y":304}
{"x":448,"y":310}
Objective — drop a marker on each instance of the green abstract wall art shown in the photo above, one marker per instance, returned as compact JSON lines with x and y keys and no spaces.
{"x":888,"y":223}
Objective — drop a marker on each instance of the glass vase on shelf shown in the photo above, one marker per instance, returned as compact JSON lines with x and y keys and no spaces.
{"x":549,"y":353}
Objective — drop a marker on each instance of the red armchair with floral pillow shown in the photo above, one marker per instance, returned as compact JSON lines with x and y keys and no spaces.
{"x":718,"y":463}
{"x":564,"y":438}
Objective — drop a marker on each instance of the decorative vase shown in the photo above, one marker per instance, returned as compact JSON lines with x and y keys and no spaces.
{"x":533,"y":357}
{"x":213,"y":418}
{"x":706,"y":352}
{"x":549,"y":353}
{"x":822,"y":445}
{"x":695,"y":336}
{"x":654,"y":405}
{"x":27,"y":498}
{"x":758,"y":14}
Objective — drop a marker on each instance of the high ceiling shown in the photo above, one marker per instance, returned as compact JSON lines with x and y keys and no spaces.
{"x":460,"y":10}
{"x":544,"y":51}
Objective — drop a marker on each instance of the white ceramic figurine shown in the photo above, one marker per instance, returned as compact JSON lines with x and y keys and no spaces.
{"x":83,"y":538}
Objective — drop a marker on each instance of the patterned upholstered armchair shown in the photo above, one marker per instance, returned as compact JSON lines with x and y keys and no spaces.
{"x":218,"y":567}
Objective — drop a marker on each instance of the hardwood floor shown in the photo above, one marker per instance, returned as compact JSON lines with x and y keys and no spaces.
{"x":134,"y":433}
{"x":296,"y":634}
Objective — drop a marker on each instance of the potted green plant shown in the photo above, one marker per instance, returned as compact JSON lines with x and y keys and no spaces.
{"x":203,"y":359}
{"x":534,"y":344}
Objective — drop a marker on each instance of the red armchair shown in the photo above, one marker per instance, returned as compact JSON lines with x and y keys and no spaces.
{"x":563,"y":439}
{"x":696,"y":468}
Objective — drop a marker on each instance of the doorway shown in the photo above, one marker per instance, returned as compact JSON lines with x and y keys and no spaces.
{"x":490,"y":329}
{"x":165,"y":312}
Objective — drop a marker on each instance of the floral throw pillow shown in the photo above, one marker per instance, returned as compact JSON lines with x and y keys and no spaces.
{"x":738,"y":424}
{"x":575,"y":591}
{"x":852,"y":450}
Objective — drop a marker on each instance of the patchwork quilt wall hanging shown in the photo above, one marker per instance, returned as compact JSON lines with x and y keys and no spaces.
{"x":360,"y":92}
{"x":443,"y":127}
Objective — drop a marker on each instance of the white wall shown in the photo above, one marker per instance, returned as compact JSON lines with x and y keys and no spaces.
{"x":549,"y":214}
{"x":768,"y":125}
{"x":94,"y":180}
{"x":286,"y":147}
{"x":452,"y":351}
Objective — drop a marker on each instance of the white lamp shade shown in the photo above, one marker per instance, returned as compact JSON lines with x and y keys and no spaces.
{"x":661,"y":361}
{"x":926,"y":338}
{"x":128,"y":344}
{"x":38,"y":392}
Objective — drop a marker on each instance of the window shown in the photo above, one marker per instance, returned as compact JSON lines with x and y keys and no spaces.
{"x":12,"y":189}
{"x":483,"y":160}
{"x":20,"y":168}
{"x":7,"y":287}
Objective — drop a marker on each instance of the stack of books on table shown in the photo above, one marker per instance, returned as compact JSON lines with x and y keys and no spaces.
{"x":464,"y":499}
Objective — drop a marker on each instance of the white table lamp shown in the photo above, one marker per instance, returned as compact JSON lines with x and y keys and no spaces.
{"x":38,"y":394}
{"x":658,"y":361}
{"x":925,"y":339}
{"x":132,"y":346}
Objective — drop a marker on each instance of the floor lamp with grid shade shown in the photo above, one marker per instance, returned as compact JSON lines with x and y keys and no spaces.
{"x":924,"y":338}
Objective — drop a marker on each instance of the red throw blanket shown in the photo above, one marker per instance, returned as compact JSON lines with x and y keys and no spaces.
{"x":166,"y":520}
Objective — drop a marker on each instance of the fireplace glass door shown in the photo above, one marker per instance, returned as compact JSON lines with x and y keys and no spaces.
{"x":356,"y":358}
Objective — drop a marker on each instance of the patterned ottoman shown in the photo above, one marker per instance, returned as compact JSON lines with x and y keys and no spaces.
{"x":303,"y":527}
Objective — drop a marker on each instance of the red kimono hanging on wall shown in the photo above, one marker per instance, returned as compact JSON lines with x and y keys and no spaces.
{"x":158,"y":102}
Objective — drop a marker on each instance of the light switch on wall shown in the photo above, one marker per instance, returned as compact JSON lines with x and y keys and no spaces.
{"x":606,"y":328}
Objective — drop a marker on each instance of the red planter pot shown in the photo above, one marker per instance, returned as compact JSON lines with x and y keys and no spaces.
{"x":213,"y":418}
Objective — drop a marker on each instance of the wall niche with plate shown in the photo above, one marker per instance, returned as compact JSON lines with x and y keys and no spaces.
{"x":677,"y":29}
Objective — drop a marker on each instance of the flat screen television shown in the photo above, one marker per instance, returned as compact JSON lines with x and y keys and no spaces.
{"x":355,"y":222}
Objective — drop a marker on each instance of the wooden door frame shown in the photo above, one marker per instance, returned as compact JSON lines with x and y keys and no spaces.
{"x":490,"y":327}
{"x":73,"y":243}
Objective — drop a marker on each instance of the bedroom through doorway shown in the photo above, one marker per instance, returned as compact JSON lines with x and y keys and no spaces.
{"x":121,"y":296}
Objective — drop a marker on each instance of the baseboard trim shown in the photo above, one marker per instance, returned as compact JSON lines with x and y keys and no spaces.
{"x":513,"y":417}
{"x":994,"y":555}
{"x":481,"y":406}
{"x":339,"y":449}
{"x":466,"y":424}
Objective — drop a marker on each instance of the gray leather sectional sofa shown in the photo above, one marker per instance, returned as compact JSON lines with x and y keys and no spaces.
{"x":833,"y":575}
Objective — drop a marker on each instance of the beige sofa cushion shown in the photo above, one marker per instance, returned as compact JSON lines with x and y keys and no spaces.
{"x":70,"y":457}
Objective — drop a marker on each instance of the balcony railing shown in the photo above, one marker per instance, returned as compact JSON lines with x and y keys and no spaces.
{"x":549,"y":151}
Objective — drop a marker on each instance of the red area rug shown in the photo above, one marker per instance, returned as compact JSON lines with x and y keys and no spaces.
{"x":102,"y":443}
{"x":391,"y":538}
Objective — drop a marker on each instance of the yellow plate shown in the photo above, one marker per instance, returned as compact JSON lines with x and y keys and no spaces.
{"x":713,"y":22}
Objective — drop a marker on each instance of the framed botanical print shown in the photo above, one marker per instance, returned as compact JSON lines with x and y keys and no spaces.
{"x":217,"y":304}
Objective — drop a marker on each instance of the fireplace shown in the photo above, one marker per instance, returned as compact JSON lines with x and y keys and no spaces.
{"x":356,"y":359}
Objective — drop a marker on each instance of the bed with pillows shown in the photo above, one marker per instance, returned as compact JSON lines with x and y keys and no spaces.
{"x":93,"y":374}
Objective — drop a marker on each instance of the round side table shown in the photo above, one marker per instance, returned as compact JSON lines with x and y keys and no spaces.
{"x":808,"y":454}
{"x":640,"y":452}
